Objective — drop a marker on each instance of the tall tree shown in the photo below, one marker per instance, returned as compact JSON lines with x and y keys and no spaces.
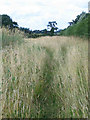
{"x":52,"y":27}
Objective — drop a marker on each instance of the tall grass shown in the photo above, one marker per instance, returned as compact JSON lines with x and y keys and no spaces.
{"x":46,"y":78}
{"x":11,"y":37}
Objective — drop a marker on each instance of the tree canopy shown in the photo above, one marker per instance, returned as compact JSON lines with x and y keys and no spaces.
{"x":78,"y":18}
{"x":52,"y":26}
{"x":7,"y":21}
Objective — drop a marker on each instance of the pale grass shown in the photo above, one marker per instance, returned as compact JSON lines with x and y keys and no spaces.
{"x":26,"y":75}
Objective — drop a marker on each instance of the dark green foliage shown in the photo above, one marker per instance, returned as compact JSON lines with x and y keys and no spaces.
{"x":52,"y":27}
{"x":26,"y":30}
{"x":78,"y":18}
{"x":80,"y":29}
{"x":7,"y":21}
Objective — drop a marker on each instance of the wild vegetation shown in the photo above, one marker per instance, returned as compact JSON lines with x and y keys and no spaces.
{"x":44,"y":78}
{"x":79,"y":26}
{"x":11,"y":37}
{"x":7,"y":22}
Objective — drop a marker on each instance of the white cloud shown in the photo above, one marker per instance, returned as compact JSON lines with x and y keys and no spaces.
{"x":36,"y":13}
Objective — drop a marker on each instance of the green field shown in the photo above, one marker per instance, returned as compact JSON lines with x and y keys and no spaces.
{"x":45,"y":77}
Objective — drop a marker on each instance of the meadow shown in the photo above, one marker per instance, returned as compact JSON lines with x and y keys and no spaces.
{"x":45,"y":77}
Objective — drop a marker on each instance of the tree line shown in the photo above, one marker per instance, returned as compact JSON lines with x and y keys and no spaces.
{"x":51,"y":30}
{"x":7,"y":22}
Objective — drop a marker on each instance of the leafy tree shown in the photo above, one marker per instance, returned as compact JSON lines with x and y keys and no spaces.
{"x":52,"y":27}
{"x":15,"y":24}
{"x":7,"y":21}
{"x":70,"y":23}
{"x":78,"y":18}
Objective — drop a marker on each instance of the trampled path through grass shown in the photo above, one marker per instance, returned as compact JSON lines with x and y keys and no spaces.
{"x":44,"y":94}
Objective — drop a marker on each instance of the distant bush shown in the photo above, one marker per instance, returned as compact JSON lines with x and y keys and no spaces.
{"x":33,"y":35}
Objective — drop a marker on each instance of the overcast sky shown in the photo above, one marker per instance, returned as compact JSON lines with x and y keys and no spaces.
{"x":35,"y":14}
